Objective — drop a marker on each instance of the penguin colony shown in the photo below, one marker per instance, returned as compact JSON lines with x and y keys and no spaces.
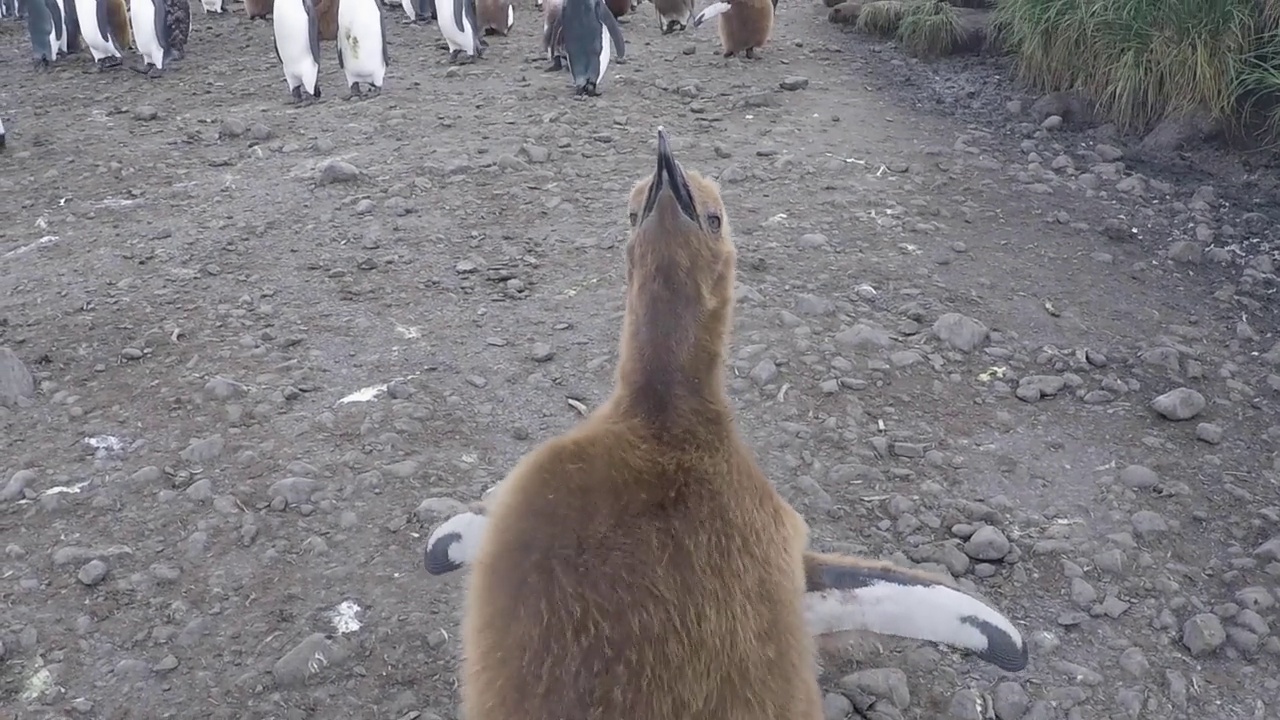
{"x":641,"y":565}
{"x":583,"y":35}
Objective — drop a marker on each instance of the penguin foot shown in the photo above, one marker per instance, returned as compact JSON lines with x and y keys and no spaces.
{"x":142,"y":68}
{"x":297,"y":95}
{"x":728,"y":53}
{"x":155,"y":73}
{"x":673,"y":26}
{"x":453,"y":57}
{"x":751,"y":54}
{"x":556,"y":65}
{"x":355,"y":92}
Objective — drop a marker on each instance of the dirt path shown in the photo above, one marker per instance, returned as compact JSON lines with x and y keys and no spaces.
{"x":194,"y":295}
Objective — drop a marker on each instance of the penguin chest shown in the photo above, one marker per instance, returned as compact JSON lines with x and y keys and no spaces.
{"x":293,"y":38}
{"x":360,"y":39}
{"x":95,"y":35}
{"x":605,"y":53}
{"x":455,"y":26}
{"x":145,"y":33}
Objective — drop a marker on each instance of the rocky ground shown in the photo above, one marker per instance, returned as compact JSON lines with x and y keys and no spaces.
{"x":272,"y":347}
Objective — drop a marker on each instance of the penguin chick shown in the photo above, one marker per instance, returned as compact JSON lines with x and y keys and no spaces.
{"x":118,"y":22}
{"x":640,"y":565}
{"x":673,"y":15}
{"x":327,"y":19}
{"x":844,"y":597}
{"x":618,"y":7}
{"x":553,"y":34}
{"x":744,"y":24}
{"x":496,"y":17}
{"x":178,"y":25}
{"x":259,"y":9}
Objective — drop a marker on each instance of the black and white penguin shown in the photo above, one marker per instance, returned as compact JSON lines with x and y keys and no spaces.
{"x":461,"y":30}
{"x":44,"y":26}
{"x":70,"y":28}
{"x":104,"y":24}
{"x":589,"y":30}
{"x":213,"y":6}
{"x":297,"y":42}
{"x":362,"y":44}
{"x":151,"y":34}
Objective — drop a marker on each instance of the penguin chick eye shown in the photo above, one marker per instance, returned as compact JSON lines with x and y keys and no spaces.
{"x":713,"y":222}
{"x":633,"y":217}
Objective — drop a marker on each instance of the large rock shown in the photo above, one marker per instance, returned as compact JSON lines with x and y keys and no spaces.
{"x":17,"y":387}
{"x":960,"y":331}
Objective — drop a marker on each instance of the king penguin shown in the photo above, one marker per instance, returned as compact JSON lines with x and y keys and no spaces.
{"x":44,"y":26}
{"x":297,"y":42}
{"x":362,"y":44}
{"x":589,"y":31}
{"x":213,"y":6}
{"x":1,"y":134}
{"x":105,"y":28}
{"x":461,"y":30}
{"x":70,"y":28}
{"x":419,"y":11}
{"x":149,"y":34}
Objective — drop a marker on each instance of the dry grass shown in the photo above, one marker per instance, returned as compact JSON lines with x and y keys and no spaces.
{"x":1144,"y":60}
{"x":930,"y":29}
{"x":881,"y":18}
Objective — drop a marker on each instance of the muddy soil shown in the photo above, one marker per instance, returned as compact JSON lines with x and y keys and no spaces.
{"x":274,"y":346}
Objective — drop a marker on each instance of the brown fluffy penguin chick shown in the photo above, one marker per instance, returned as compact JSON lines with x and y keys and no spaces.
{"x":744,"y":24}
{"x":496,"y":17}
{"x":618,"y":7}
{"x":327,"y":19}
{"x":256,"y":9}
{"x":641,"y":566}
{"x":118,"y":24}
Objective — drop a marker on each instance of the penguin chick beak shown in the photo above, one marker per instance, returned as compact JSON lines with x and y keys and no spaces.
{"x":669,"y":180}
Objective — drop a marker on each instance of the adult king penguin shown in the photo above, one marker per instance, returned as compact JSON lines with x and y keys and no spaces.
{"x":44,"y":26}
{"x":461,"y":30}
{"x":150,"y":32}
{"x":104,"y":24}
{"x":589,"y":31}
{"x":673,"y":15}
{"x":362,"y":44}
{"x":297,"y":41}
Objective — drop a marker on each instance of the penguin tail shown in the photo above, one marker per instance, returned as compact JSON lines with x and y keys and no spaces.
{"x":454,"y":543}
{"x":847,"y":594}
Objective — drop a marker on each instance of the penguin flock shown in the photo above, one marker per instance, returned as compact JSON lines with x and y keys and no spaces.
{"x":583,"y":35}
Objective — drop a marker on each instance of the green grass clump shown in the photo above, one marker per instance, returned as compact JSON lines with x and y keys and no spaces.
{"x":929,"y":29}
{"x":881,"y":18}
{"x":1144,"y":60}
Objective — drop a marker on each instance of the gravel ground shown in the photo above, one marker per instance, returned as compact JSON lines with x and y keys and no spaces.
{"x":202,"y":515}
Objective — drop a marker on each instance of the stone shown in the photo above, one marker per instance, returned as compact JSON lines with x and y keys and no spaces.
{"x":960,"y":331}
{"x":988,"y":543}
{"x":336,"y":171}
{"x":1180,"y":404}
{"x":1203,"y":634}
{"x":1209,"y":433}
{"x":1139,"y":477}
{"x":17,"y":386}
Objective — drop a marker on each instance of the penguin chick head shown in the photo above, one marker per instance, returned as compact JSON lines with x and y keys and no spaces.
{"x":678,"y":221}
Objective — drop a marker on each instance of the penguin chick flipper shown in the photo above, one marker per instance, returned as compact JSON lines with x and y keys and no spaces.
{"x":710,"y":11}
{"x":454,"y":543}
{"x":845,"y":594}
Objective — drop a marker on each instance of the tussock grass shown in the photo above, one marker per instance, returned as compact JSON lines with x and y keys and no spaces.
{"x":881,"y":17}
{"x":1145,"y":60}
{"x":930,"y":29}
